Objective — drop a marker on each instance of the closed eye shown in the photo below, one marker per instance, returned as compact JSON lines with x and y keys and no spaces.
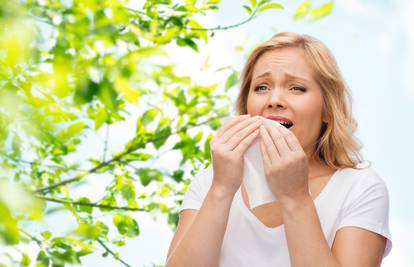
{"x":298,"y":88}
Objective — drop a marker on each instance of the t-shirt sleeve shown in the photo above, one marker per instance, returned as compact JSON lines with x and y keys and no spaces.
{"x":368,"y":207}
{"x":197,"y":190}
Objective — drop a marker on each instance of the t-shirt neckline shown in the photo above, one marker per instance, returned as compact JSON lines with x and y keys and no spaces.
{"x":250,"y":215}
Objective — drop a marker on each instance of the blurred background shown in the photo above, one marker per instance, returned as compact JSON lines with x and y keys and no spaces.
{"x":373,"y":42}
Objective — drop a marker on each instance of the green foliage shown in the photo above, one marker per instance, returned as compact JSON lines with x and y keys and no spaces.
{"x":72,"y":70}
{"x":126,"y":225}
{"x":305,"y":9}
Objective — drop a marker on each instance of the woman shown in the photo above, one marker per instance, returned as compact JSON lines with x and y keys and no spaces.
{"x":330,"y":212}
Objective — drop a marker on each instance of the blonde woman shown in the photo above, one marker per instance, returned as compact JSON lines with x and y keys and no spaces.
{"x":329,"y":212}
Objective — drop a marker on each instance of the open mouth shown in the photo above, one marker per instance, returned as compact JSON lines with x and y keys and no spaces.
{"x":286,"y":124}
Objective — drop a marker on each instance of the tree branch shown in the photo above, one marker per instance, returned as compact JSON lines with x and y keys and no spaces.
{"x":23,"y":161}
{"x":64,"y":201}
{"x":217,"y":28}
{"x":106,"y":143}
{"x":220,"y":28}
{"x":80,"y":176}
{"x":33,"y":238}
{"x":116,"y":256}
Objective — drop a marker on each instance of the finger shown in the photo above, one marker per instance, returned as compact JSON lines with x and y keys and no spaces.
{"x":270,"y":146}
{"x":291,"y":139}
{"x":243,"y":133}
{"x":278,"y":139}
{"x":230,"y":123}
{"x":246,"y":142}
{"x":237,"y":128}
{"x":265,"y":155}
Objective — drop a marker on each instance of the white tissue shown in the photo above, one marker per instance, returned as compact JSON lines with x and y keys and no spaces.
{"x":253,"y":173}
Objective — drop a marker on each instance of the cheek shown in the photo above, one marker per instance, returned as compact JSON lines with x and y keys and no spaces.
{"x":254,"y":104}
{"x":310,"y":122}
{"x":311,"y":110}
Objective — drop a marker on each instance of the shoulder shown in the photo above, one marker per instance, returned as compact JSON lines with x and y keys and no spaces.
{"x":361,"y":178}
{"x":202,"y":179}
{"x":197,"y":189}
{"x":362,"y":186}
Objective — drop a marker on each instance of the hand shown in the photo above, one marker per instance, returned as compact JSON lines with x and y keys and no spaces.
{"x":285,"y":163}
{"x":228,"y":148}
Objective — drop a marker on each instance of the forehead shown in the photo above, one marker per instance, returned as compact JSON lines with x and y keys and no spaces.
{"x":285,"y":61}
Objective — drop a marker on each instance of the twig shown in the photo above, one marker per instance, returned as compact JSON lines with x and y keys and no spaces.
{"x":106,"y":143}
{"x":37,"y":241}
{"x":34,"y":163}
{"x":64,"y":201}
{"x":112,"y":253}
{"x":220,"y":28}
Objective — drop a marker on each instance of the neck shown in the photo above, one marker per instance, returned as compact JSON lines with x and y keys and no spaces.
{"x":318,"y":168}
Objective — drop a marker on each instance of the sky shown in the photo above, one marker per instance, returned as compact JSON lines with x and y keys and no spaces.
{"x":373,"y":42}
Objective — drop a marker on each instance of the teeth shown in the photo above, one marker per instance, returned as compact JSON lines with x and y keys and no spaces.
{"x":284,"y":122}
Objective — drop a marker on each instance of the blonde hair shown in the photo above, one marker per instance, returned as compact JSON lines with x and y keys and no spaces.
{"x":336,"y":146}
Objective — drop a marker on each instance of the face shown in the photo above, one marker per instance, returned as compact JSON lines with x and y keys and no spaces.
{"x":282,"y":85}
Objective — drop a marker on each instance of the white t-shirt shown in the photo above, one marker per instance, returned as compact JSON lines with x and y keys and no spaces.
{"x":350,"y":198}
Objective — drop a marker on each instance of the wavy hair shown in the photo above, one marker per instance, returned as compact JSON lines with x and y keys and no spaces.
{"x":336,"y":145}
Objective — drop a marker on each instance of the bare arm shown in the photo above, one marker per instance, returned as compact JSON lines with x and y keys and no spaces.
{"x":200,"y":245}
{"x":353,"y":247}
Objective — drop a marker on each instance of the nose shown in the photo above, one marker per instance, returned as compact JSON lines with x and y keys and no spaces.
{"x":276,"y":99}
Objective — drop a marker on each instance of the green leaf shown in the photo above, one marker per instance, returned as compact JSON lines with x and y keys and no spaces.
{"x":126,"y":225}
{"x":83,"y":208}
{"x":321,"y":11}
{"x":76,"y":128}
{"x":248,"y":9}
{"x":87,"y":231}
{"x":149,"y":116}
{"x":207,"y":149}
{"x":161,"y":137}
{"x":198,"y":137}
{"x":146,"y":175}
{"x":168,"y":35}
{"x":178,"y":175}
{"x":128,"y":191}
{"x":108,"y":201}
{"x":253,"y":3}
{"x":263,"y":2}
{"x":187,"y":42}
{"x":231,"y":80}
{"x":42,"y":258}
{"x":173,"y":219}
{"x":119,"y":243}
{"x":103,"y":229}
{"x":25,"y":261}
{"x":302,"y":10}
{"x":270,"y":6}
{"x":46,"y":235}
{"x":86,"y":91}
{"x":195,"y":25}
{"x":100,"y":117}
{"x":139,"y":156}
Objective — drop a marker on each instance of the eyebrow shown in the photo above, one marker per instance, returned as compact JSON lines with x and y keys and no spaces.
{"x":289,"y":76}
